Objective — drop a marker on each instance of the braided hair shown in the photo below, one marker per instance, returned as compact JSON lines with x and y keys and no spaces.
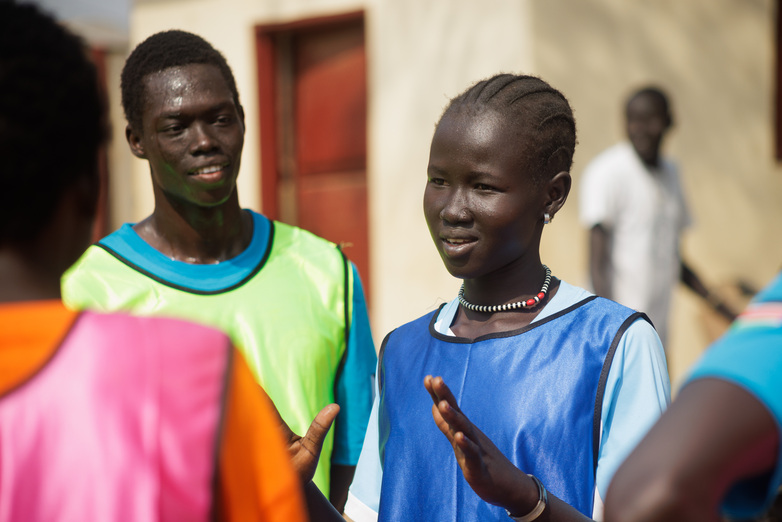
{"x":540,"y":113}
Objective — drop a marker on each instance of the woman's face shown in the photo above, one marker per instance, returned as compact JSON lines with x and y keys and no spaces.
{"x":483,"y":211}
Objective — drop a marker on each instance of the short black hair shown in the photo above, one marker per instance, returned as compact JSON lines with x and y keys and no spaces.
{"x":657,"y":93}
{"x":52,"y":118}
{"x":540,"y":112}
{"x":159,"y":52}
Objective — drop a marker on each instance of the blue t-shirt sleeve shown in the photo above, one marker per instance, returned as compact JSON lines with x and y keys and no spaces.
{"x":364,"y":496}
{"x":354,"y":387}
{"x":750,"y":356}
{"x":638,"y":391}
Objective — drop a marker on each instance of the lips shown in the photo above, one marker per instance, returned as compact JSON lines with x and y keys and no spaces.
{"x":457,"y":246}
{"x":456,"y":241}
{"x":209,"y":173}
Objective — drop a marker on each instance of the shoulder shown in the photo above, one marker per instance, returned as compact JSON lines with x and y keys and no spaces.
{"x":104,"y":252}
{"x":299,"y":249}
{"x":640,"y":358}
{"x":631,"y":327}
{"x":295,"y":241}
{"x":612,"y":160}
{"x":748,"y":353}
{"x":609,"y":307}
{"x":603,"y":185}
{"x":422,"y":321}
{"x":95,"y":254}
{"x":670,"y":171}
{"x":417,"y":327}
{"x":295,"y":235}
{"x":88,"y":275}
{"x":670,"y":166}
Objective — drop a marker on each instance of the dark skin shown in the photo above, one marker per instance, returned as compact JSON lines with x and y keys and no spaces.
{"x":486,"y":218}
{"x":31,"y":271}
{"x":304,"y":452}
{"x":485,"y":215}
{"x":192,"y":135}
{"x":647,"y":122}
{"x":714,"y":435}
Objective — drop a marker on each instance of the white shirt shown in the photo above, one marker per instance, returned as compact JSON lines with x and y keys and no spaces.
{"x":644,"y":211}
{"x":637,"y":392}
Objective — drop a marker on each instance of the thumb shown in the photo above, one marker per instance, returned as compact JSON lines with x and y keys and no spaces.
{"x":316,"y":434}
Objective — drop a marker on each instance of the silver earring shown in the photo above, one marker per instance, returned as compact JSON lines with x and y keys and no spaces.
{"x":546,"y":218}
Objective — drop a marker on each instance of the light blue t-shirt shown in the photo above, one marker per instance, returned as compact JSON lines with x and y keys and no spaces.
{"x":750,"y":356}
{"x":637,"y":392}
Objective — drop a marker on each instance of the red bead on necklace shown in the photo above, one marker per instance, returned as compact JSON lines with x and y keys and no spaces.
{"x":529,"y":303}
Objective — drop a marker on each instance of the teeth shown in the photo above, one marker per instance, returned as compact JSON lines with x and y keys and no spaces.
{"x":458,"y":241}
{"x":208,"y":170}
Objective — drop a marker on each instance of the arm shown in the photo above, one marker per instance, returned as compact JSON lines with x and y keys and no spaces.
{"x":600,"y":260}
{"x":341,"y":477}
{"x":318,"y":507}
{"x":715,"y":434}
{"x":488,"y":472}
{"x":694,"y":283}
{"x":304,"y":453}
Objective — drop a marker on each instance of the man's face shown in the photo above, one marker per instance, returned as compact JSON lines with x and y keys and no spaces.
{"x":647,"y":122}
{"x":192,"y":135}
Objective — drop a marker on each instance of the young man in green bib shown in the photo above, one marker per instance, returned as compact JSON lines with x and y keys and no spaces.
{"x":290,"y":300}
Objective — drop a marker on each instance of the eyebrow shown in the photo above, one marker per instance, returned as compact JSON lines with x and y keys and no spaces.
{"x":473,"y":175}
{"x":176,"y":114}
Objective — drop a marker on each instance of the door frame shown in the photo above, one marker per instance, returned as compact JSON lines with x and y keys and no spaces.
{"x":268,"y":117}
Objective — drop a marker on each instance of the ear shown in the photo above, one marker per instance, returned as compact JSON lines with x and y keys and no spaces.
{"x":668,"y":121}
{"x":87,"y":192}
{"x":240,"y":109}
{"x":557,"y":190}
{"x":136,"y":145}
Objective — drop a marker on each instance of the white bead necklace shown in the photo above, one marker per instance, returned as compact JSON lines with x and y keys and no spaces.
{"x":528,"y":303}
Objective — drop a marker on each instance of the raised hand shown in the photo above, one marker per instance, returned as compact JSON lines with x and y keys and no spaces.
{"x":305,"y":451}
{"x":488,"y":472}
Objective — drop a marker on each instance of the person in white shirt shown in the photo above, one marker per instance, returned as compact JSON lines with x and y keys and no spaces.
{"x":632,"y":202}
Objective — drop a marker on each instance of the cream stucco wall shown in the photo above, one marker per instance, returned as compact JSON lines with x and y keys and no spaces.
{"x":419,"y":55}
{"x":229,"y":26}
{"x":714,"y":56}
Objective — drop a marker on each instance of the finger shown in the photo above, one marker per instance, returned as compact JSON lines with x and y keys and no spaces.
{"x":476,"y":442}
{"x":455,"y":418}
{"x":443,"y":392}
{"x":316,"y":434}
{"x":446,"y":430}
{"x":442,"y":424}
{"x":470,"y":450}
{"x":428,"y":384}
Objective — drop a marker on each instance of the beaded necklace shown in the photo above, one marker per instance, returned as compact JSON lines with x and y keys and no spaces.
{"x":528,"y":303}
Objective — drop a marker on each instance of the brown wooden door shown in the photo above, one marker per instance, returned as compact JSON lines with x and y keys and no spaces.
{"x":313,"y":130}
